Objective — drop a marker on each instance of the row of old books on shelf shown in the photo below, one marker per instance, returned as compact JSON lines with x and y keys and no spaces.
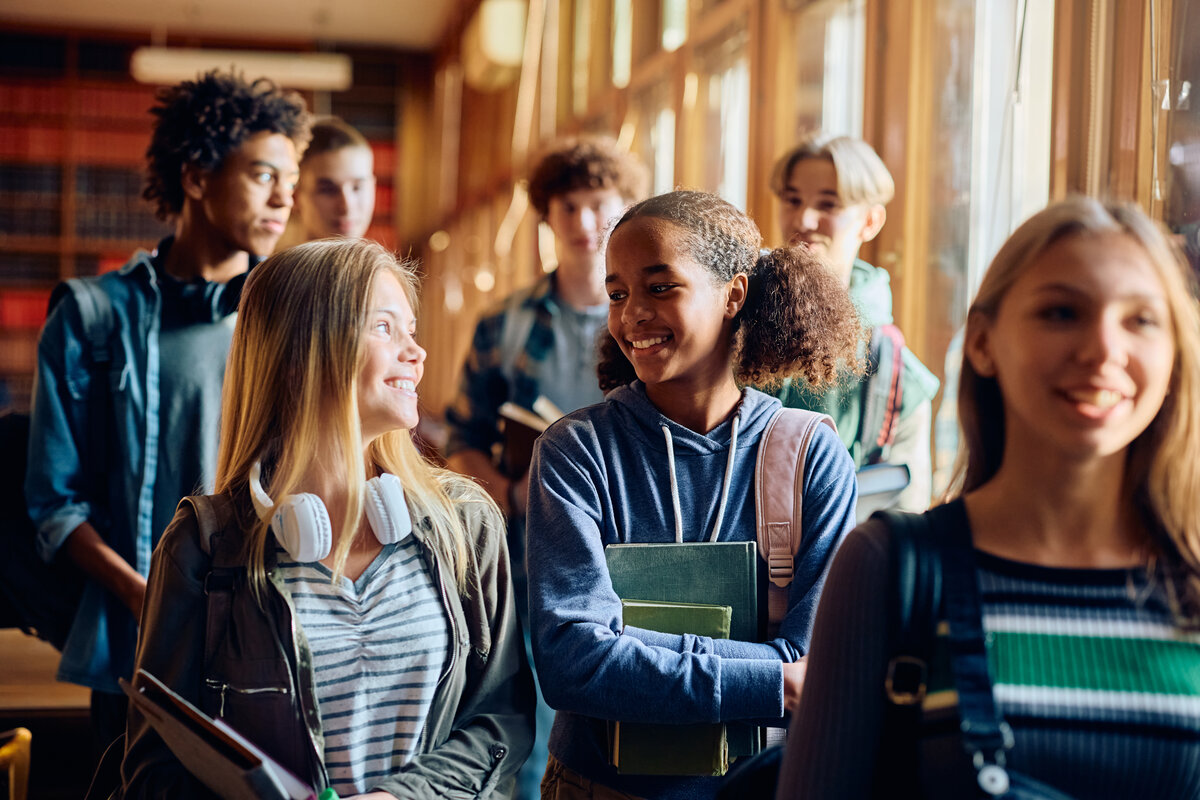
{"x":131,"y":221}
{"x":88,"y":101}
{"x":49,"y":143}
{"x":45,"y":181}
{"x":22,"y":269}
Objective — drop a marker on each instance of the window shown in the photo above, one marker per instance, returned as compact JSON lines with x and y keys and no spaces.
{"x":579,"y":60}
{"x":674,"y":24}
{"x":622,"y":56}
{"x":824,"y":54}
{"x":720,"y":97}
{"x":654,"y":136}
{"x":988,"y":168}
{"x":1177,"y":157}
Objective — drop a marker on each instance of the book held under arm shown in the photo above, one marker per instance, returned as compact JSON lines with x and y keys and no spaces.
{"x":225,"y":761}
{"x":522,"y":427}
{"x":640,"y":748}
{"x":682,"y":578}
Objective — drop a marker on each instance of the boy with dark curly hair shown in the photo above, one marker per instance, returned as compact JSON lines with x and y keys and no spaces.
{"x":542,"y":341}
{"x":116,"y":441}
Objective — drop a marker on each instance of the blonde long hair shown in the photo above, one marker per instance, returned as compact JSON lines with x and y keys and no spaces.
{"x":291,"y":385}
{"x":1163,"y":462}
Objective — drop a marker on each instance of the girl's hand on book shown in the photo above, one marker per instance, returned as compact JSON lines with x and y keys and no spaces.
{"x":793,"y":682}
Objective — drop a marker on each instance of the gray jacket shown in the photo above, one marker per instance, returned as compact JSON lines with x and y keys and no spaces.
{"x":204,"y":635}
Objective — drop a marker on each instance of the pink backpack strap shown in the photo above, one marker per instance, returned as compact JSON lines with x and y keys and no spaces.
{"x":779,"y":500}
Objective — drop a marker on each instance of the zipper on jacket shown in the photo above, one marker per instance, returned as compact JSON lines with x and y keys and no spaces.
{"x":314,"y":750}
{"x":437,"y":573}
{"x":223,"y":687}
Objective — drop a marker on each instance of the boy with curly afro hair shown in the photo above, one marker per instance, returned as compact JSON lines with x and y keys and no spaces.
{"x":116,"y":441}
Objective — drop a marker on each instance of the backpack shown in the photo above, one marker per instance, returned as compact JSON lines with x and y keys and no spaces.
{"x":932,"y":583}
{"x":779,"y":504}
{"x":882,"y":393}
{"x":39,"y":598}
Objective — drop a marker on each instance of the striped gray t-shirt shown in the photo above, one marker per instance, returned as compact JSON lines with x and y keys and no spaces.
{"x":379,"y":645}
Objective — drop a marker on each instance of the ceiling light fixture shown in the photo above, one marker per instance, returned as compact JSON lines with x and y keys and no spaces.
{"x":165,"y":66}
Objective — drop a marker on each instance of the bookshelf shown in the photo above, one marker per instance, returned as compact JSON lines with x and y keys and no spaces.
{"x":73,"y":136}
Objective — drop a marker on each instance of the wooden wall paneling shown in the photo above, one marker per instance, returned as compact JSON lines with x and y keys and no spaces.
{"x":1128,"y":101}
{"x":1069,"y":119}
{"x":763,"y":50}
{"x":898,"y":108}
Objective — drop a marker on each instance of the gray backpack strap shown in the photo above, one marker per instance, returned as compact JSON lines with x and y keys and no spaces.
{"x":99,"y":323}
{"x":213,"y":513}
{"x":96,"y":314}
{"x":779,"y":501}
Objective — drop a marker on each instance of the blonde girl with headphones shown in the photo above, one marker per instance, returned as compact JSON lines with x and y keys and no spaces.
{"x":340,"y":601}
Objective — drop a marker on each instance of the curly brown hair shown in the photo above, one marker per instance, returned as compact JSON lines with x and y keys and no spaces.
{"x":593,"y":162}
{"x":201,"y":122}
{"x":798,"y":320}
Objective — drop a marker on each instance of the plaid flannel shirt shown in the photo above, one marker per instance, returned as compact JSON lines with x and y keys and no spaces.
{"x":502,"y":365}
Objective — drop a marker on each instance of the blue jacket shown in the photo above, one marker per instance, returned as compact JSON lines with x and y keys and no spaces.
{"x":601,"y":476}
{"x":58,"y":484}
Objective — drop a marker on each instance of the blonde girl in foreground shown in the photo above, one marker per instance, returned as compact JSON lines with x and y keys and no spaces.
{"x":351,"y":609}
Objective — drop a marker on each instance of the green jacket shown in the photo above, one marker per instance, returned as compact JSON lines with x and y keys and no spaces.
{"x":871,"y":292}
{"x":256,"y":673}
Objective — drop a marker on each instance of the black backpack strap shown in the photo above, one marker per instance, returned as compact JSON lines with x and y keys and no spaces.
{"x":914,"y":599}
{"x":985,"y":735}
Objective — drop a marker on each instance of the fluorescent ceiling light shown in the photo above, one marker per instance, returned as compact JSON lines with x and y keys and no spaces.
{"x":165,"y":66}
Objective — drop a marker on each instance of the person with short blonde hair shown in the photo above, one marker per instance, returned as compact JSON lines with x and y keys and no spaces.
{"x":862,"y":177}
{"x":366,"y":634}
{"x":832,"y":192}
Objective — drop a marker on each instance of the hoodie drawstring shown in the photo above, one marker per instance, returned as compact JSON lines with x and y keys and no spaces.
{"x":716,"y":530}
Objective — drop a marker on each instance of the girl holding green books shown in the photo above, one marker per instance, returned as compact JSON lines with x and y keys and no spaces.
{"x":697,"y":316}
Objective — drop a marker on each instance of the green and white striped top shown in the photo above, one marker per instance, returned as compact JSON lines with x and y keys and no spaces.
{"x":1100,"y":687}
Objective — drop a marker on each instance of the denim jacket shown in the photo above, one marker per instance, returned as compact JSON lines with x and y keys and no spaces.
{"x":58,"y":486}
{"x":250,"y":664}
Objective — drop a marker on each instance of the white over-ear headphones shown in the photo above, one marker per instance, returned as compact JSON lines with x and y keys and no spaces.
{"x":301,"y":521}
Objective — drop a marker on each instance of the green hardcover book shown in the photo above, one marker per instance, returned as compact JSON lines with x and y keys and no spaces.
{"x":700,"y":619}
{"x":715,"y":573}
{"x":640,"y":748}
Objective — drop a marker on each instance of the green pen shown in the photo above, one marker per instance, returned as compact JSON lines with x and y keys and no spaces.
{"x":327,"y":794}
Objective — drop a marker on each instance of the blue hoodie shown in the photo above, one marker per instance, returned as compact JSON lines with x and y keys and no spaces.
{"x":601,"y":476}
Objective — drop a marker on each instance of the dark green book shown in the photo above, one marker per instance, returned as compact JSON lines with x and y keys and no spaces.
{"x":699,"y":619}
{"x":714,"y":573}
{"x":640,"y":748}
